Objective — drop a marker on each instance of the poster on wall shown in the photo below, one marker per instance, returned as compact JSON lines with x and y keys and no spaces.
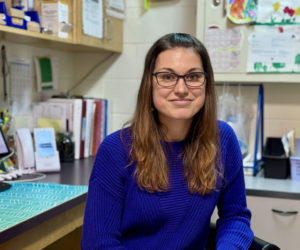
{"x":273,"y":52}
{"x":281,"y":12}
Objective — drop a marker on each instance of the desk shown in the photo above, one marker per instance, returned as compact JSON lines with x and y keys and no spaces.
{"x":272,"y":188}
{"x":48,"y":227}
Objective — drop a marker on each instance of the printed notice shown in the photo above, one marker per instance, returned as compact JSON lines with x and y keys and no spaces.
{"x":92,"y":18}
{"x":272,"y":53}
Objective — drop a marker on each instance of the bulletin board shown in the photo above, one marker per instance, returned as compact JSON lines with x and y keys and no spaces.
{"x":268,"y":44}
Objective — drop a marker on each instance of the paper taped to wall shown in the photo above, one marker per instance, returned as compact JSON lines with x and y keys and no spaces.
{"x":273,"y":53}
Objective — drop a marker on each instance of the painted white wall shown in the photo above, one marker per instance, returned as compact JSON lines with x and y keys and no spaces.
{"x":64,"y":63}
{"x":121,"y":79}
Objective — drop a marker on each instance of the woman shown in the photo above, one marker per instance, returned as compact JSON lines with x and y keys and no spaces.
{"x":155,"y":184}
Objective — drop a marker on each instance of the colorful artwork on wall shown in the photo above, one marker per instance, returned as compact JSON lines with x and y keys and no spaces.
{"x":284,"y":12}
{"x":241,"y":11}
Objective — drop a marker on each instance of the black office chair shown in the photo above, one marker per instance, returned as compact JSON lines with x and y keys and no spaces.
{"x":257,"y":243}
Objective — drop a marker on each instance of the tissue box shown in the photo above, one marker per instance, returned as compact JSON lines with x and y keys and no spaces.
{"x":276,"y":164}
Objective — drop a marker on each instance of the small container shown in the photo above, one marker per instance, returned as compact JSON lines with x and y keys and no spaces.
{"x":3,"y":8}
{"x":10,"y":20}
{"x":10,"y":23}
{"x":276,"y":163}
{"x":3,"y":14}
{"x":65,"y":145}
{"x":34,"y":15}
{"x":295,"y":163}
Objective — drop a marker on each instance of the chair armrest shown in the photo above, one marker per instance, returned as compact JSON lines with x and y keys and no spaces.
{"x":257,"y":243}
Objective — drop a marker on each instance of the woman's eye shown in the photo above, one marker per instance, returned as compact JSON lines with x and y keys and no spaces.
{"x":193,"y":77}
{"x":167,"y":77}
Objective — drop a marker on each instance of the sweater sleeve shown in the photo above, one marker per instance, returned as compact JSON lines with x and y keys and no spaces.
{"x":233,"y":225}
{"x":101,"y":226}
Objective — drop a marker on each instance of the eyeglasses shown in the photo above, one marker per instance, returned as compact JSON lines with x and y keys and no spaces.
{"x":192,"y":79}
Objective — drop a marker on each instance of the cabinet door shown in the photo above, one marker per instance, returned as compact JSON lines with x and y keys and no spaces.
{"x":112,"y":31}
{"x":211,"y":13}
{"x":281,"y":229}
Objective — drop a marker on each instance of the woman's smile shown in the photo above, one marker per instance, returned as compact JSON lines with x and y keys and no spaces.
{"x":181,"y":101}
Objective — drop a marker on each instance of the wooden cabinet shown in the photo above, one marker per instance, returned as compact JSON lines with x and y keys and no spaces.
{"x":77,"y":41}
{"x":282,"y":227}
{"x":112,"y":32}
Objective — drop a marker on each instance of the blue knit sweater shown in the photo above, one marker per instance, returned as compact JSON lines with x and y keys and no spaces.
{"x":119,"y":215}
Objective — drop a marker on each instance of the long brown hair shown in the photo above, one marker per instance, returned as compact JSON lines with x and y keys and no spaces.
{"x":201,"y":148}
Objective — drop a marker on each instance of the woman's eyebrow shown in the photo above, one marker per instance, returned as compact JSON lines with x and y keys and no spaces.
{"x":190,"y":70}
{"x":168,"y":69}
{"x":194,"y":69}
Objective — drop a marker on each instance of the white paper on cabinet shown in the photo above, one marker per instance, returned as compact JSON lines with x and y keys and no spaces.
{"x":115,"y":8}
{"x":272,"y":53}
{"x":92,"y":20}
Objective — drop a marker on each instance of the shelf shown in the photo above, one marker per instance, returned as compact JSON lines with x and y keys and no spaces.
{"x":77,"y":41}
{"x":21,"y":36}
{"x":256,"y":77}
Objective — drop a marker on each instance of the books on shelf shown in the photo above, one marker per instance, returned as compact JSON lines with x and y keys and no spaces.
{"x":90,"y":111}
{"x":88,"y":120}
{"x":83,"y":128}
{"x":100,"y":121}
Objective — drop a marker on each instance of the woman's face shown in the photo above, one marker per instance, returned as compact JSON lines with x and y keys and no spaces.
{"x":179,"y":102}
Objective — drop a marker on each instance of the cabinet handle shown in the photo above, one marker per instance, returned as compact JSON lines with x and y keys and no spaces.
{"x":105,"y":28}
{"x":284,"y":213}
{"x":216,"y":2}
{"x":108,"y":29}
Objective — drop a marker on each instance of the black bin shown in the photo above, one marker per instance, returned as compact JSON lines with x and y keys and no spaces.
{"x":276,"y":164}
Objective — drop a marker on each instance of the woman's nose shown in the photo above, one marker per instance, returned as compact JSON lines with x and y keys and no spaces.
{"x":181,"y":88}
